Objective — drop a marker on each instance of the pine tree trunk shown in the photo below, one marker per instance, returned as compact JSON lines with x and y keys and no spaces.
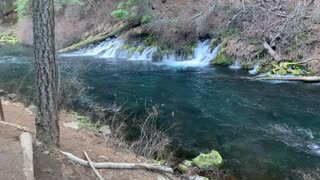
{"x":47,"y":120}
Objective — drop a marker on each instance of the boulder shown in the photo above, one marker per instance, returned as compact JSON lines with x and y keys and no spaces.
{"x":212,"y":159}
{"x":12,"y":96}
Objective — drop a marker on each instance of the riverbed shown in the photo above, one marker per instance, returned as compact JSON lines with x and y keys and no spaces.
{"x":263,"y":130}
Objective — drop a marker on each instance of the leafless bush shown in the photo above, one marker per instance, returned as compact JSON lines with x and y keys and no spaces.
{"x":316,"y":14}
{"x":153,"y":141}
{"x":71,"y":88}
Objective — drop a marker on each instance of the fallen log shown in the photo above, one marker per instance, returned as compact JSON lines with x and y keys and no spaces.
{"x":272,"y":52}
{"x":92,"y":167}
{"x":96,"y":39}
{"x":110,"y":165}
{"x":294,"y":78}
{"x":306,"y":79}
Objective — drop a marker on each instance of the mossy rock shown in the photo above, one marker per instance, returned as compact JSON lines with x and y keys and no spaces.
{"x":187,"y":163}
{"x":212,"y":159}
{"x":141,"y":49}
{"x":222,"y":59}
{"x":124,"y":47}
{"x":132,"y":50}
{"x":10,"y":39}
{"x":284,"y":68}
{"x":158,"y":162}
{"x":182,"y":168}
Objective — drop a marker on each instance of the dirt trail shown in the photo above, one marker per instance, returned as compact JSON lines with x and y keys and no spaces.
{"x":11,"y":158}
{"x":55,"y":166}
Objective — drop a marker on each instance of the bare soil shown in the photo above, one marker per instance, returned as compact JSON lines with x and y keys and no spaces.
{"x":55,"y":166}
{"x":11,"y":159}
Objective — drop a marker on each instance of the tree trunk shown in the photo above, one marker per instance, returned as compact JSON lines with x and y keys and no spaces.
{"x":47,"y":120}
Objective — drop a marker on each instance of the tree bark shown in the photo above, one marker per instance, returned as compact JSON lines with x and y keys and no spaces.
{"x":47,"y":120}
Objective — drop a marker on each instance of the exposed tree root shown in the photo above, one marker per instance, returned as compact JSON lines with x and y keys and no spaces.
{"x":110,"y":165}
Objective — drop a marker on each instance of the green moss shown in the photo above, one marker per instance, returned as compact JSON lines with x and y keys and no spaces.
{"x":222,"y":59}
{"x":150,"y":41}
{"x":87,"y":123}
{"x":110,"y":46}
{"x":132,"y":50}
{"x":10,"y":39}
{"x":146,"y":19}
{"x":141,"y":49}
{"x":208,"y":160}
{"x":284,"y":68}
{"x":187,"y":163}
{"x":182,"y":168}
{"x":158,"y":162}
{"x":124,"y":47}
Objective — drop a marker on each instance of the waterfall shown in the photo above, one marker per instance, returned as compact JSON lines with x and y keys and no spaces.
{"x":113,"y":48}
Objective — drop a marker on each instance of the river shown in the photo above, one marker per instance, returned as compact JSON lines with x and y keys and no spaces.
{"x":263,"y":130}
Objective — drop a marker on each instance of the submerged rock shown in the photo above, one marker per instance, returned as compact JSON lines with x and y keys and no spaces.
{"x":208,"y":160}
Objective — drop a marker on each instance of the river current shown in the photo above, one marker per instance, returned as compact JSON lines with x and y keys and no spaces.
{"x":263,"y":130}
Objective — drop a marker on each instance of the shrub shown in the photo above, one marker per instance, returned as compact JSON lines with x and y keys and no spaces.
{"x":146,"y":19}
{"x":132,"y":10}
{"x":222,"y":59}
{"x":22,"y":7}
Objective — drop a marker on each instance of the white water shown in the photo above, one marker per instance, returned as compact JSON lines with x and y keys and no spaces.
{"x":297,"y":137}
{"x":112,"y":49}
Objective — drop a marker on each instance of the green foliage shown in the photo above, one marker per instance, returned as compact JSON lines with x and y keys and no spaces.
{"x":132,"y":10}
{"x":10,"y":39}
{"x":87,"y":123}
{"x":123,"y":11}
{"x":121,"y":14}
{"x":58,"y":4}
{"x":222,"y":59}
{"x":22,"y":7}
{"x":150,"y":41}
{"x":146,"y":19}
{"x":211,"y":159}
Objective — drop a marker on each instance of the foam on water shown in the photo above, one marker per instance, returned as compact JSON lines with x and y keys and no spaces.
{"x":296,"y":137}
{"x":111,"y":48}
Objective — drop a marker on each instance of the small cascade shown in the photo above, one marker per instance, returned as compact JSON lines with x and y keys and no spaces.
{"x":113,"y":48}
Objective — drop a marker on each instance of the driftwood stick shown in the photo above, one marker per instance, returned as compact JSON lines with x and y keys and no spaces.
{"x":93,"y":168}
{"x":110,"y":165}
{"x":21,"y":128}
{"x":273,"y":53}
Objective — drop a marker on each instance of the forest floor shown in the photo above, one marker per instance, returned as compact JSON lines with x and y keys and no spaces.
{"x":54,"y":165}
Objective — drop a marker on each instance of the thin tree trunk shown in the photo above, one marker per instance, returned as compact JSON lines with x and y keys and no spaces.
{"x":47,"y":120}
